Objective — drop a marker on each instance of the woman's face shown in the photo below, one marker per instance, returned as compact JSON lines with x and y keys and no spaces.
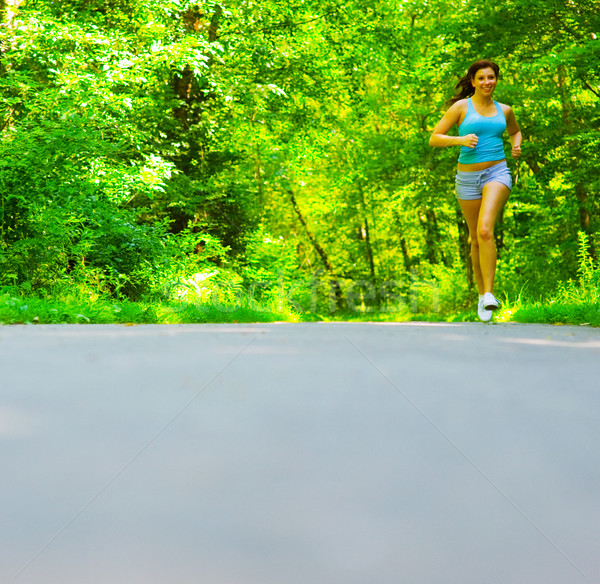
{"x":484,"y":81}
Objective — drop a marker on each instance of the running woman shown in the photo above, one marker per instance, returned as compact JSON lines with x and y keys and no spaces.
{"x":483,"y":179}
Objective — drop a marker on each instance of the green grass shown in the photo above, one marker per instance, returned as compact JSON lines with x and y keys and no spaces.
{"x":16,"y":309}
{"x":559,"y":313}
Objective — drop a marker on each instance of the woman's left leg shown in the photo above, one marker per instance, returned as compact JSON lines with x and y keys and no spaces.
{"x":494,"y":197}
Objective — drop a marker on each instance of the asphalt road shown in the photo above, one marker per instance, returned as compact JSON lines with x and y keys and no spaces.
{"x":300,"y":454}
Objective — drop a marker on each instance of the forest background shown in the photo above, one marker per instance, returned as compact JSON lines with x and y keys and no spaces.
{"x":177,"y":160}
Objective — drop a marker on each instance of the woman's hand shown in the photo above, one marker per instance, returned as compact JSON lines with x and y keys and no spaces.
{"x":470,"y":140}
{"x":516,"y":151}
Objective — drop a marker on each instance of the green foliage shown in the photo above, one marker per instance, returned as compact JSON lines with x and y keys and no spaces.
{"x":80,"y":164}
{"x":559,"y":313}
{"x":585,"y":289}
{"x":588,"y":273}
{"x":575,"y":301}
{"x":79,"y":308}
{"x":275,"y":155}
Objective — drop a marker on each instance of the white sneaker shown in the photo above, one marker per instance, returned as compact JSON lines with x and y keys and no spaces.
{"x":490,"y":302}
{"x":484,"y":314}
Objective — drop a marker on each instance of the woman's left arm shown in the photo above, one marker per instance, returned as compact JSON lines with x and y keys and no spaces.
{"x":514,"y":132}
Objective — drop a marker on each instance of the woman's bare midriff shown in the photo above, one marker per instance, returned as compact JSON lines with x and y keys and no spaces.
{"x":479,"y":165}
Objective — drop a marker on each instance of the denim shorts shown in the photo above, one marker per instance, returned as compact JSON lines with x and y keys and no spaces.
{"x":470,"y":184}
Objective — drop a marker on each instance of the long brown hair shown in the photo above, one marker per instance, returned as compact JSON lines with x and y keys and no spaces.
{"x":464,"y":88}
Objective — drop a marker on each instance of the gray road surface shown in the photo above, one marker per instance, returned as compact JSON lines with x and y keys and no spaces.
{"x":300,"y":454}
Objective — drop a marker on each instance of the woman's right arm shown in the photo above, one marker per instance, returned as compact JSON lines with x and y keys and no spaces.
{"x":440,"y":137}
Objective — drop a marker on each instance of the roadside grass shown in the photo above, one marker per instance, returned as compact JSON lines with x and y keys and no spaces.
{"x":221,"y":298}
{"x":17,"y":309}
{"x":557,"y":312}
{"x":553,"y":311}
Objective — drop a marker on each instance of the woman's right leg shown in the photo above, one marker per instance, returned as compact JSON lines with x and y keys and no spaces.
{"x":470,"y":209}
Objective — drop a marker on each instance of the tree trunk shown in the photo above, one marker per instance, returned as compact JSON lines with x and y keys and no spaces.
{"x":432,"y":236}
{"x":403,"y":247}
{"x":464,"y":248}
{"x":499,"y":234}
{"x":316,"y":246}
{"x":371,"y":260}
{"x":580,"y":190}
{"x":369,"y":246}
{"x":405,"y":254}
{"x":184,"y":82}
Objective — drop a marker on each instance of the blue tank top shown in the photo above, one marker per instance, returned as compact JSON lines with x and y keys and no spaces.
{"x":488,"y":129}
